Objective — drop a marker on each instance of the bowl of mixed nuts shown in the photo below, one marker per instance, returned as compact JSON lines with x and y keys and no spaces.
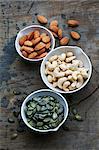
{"x":44,"y":110}
{"x":66,"y":69}
{"x":34,"y":42}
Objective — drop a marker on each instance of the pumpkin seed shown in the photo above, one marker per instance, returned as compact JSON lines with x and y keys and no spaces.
{"x":38,"y":108}
{"x":14,"y":136}
{"x":39,"y":124}
{"x":74,"y":111}
{"x":46,"y":120}
{"x":78,"y":117}
{"x":33,"y":104}
{"x":29,"y":112}
{"x":55,"y":115}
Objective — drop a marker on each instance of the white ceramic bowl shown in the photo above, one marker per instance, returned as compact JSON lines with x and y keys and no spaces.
{"x":28,"y":29}
{"x":79,"y":53}
{"x":45,"y":92}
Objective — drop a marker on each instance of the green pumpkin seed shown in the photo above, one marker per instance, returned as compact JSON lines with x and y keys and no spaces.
{"x":78,"y":117}
{"x":38,"y":108}
{"x":46,"y":120}
{"x":33,"y":104}
{"x":39,"y":124}
{"x":36,"y":99}
{"x":29,"y":113}
{"x":55,"y":115}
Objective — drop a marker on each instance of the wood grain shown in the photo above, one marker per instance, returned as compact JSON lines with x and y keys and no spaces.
{"x":15,"y":74}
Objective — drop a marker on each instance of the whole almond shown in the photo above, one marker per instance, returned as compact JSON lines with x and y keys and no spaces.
{"x":43,"y":34}
{"x":36,"y":41}
{"x":48,"y":45}
{"x":54,"y":28}
{"x":75,"y":35}
{"x":28,"y":43}
{"x":32,"y":55}
{"x":24,"y":53}
{"x":36,"y":34}
{"x":60,"y":33}
{"x":46,"y":39}
{"x":42,"y":55}
{"x":42,"y":19}
{"x":23,"y":39}
{"x":30,"y":35}
{"x":64,"y":41}
{"x":54,"y":23}
{"x":39,"y":46}
{"x":27,"y":49}
{"x":41,"y":51}
{"x":73,"y":23}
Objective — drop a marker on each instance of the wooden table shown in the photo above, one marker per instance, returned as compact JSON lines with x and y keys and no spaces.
{"x":18,"y":75}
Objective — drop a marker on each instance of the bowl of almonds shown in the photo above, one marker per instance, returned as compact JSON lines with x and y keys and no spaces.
{"x":34,"y":42}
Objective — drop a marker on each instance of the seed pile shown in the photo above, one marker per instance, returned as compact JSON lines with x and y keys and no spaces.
{"x":44,"y":112}
{"x":35,"y":44}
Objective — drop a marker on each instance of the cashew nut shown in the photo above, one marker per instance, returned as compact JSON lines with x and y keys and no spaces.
{"x":80,"y":81}
{"x":65,"y":85}
{"x":69,"y":54}
{"x":74,"y":74}
{"x":62,"y":57}
{"x":61,"y":81}
{"x":70,"y":78}
{"x":75,"y":63}
{"x":49,"y":78}
{"x":51,"y":66}
{"x":68,"y":72}
{"x":57,"y":73}
{"x":52,"y":58}
{"x":73,"y":85}
{"x":55,"y":84}
{"x":69,"y":59}
{"x":63,"y":66}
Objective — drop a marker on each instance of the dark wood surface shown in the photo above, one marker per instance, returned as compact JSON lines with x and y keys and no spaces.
{"x":16,"y":74}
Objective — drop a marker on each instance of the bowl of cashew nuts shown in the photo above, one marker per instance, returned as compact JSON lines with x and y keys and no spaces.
{"x":66,"y":69}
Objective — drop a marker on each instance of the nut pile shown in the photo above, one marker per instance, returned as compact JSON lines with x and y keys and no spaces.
{"x":57,"y":31}
{"x":44,"y":112}
{"x":65,"y":71}
{"x":35,"y":44}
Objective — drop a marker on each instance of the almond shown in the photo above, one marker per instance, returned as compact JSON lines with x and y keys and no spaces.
{"x":22,"y":40}
{"x":36,"y":41}
{"x":75,"y":35}
{"x":43,"y":34}
{"x":54,"y":28}
{"x":60,"y":33}
{"x":24,"y":53}
{"x":41,"y":51}
{"x":42,"y":19}
{"x":54,"y":23}
{"x":48,"y":45}
{"x":32,"y":55}
{"x":30,"y":35}
{"x":36,"y":34}
{"x":64,"y":41}
{"x":27,"y":49}
{"x":42,"y":55}
{"x":73,"y":23}
{"x":28,"y":43}
{"x":46,"y":39}
{"x":39,"y":46}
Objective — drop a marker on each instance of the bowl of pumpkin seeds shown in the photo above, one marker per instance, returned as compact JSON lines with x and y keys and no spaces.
{"x":44,"y":110}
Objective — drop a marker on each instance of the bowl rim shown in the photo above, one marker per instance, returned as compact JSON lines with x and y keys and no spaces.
{"x":49,"y":130}
{"x":61,"y":91}
{"x":34,"y":26}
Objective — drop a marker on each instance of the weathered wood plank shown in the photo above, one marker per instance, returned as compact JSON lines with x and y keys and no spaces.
{"x":17,"y":74}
